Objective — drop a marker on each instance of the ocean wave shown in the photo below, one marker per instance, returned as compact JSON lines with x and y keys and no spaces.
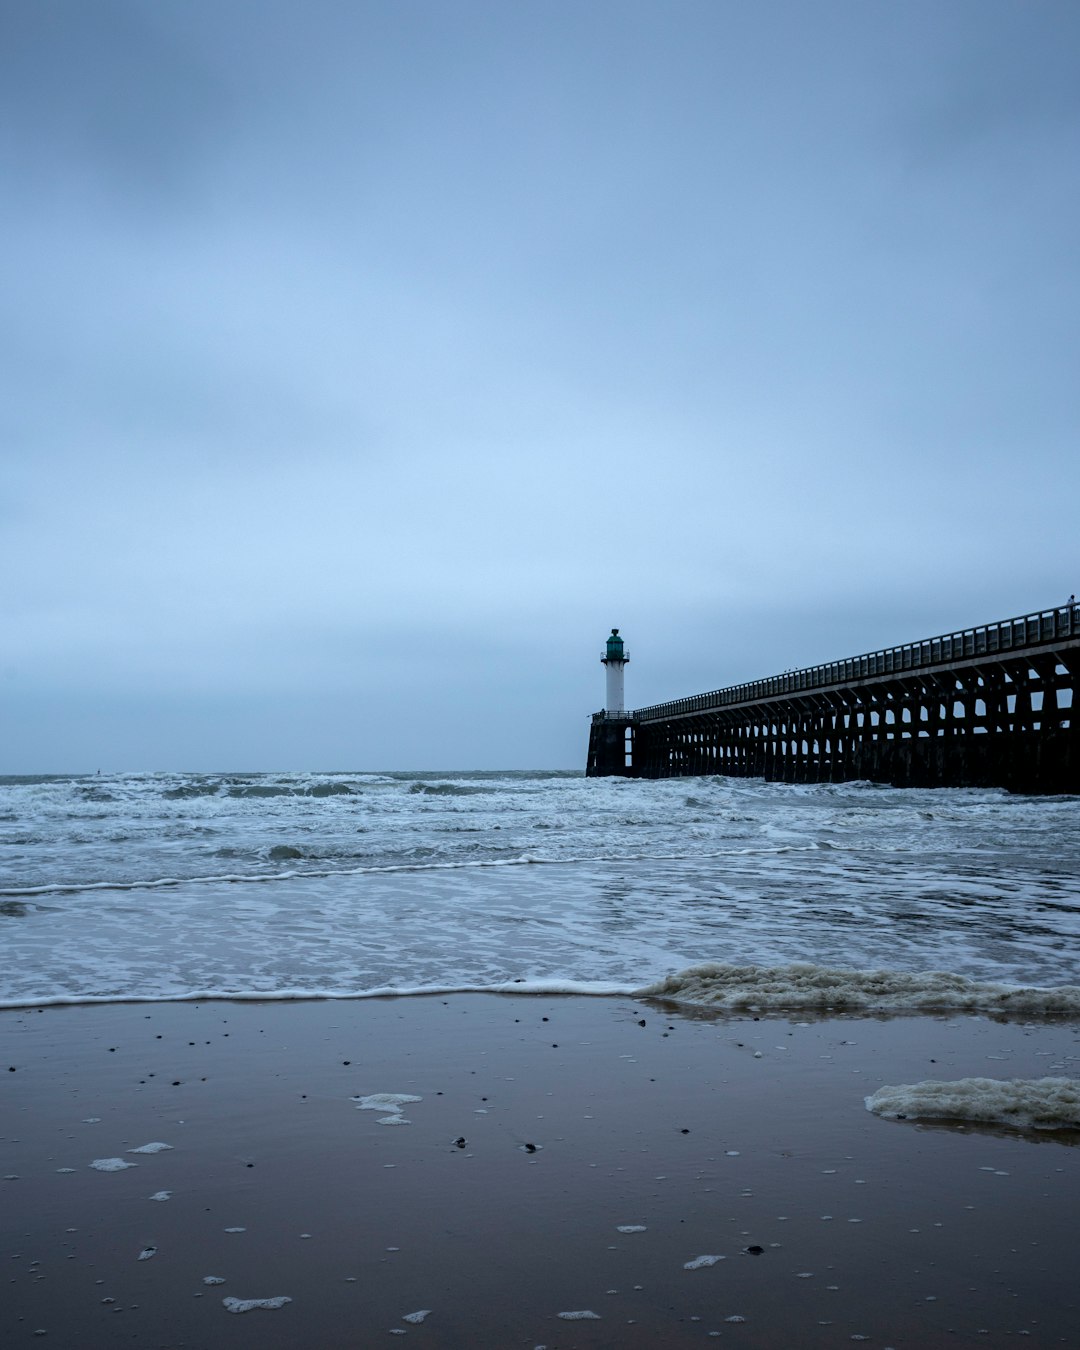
{"x":551,"y":988}
{"x":802,"y":985}
{"x":253,"y":878}
{"x":187,"y":790}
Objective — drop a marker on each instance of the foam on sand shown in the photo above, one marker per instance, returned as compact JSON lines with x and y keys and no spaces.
{"x":701,"y":1262}
{"x":242,"y":1305}
{"x":803,"y":984}
{"x":1026,"y":1103}
{"x":390,"y":1102}
{"x":151,"y":1148}
{"x":111,"y":1165}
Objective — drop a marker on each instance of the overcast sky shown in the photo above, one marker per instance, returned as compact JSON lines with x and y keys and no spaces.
{"x":362,"y":362}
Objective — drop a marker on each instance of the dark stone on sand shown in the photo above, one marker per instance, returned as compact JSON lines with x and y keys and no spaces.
{"x":755,"y":1251}
{"x":460,"y":1142}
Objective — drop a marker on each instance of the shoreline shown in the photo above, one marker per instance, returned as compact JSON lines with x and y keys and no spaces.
{"x":712,"y":1132}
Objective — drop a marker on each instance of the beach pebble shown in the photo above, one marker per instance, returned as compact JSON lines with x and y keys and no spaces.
{"x":243,"y":1305}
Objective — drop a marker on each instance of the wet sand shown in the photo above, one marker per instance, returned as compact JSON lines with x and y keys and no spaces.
{"x":545,"y":1124}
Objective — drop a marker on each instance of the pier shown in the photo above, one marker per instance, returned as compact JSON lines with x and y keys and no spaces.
{"x":989,"y":706}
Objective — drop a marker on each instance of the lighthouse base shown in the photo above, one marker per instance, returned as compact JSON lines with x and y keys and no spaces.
{"x":611,"y":747}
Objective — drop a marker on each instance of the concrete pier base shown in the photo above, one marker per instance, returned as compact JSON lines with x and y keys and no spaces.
{"x":611,"y":752}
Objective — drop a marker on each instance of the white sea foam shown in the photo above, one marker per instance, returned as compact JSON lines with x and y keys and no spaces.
{"x":292,"y":874}
{"x":111,"y":1164}
{"x":391,"y":1102}
{"x":417,"y":1317}
{"x":147,"y":1253}
{"x":583,"y":1315}
{"x":213,"y":1279}
{"x":1027,"y":1103}
{"x":151,"y":1148}
{"x":702,"y":1262}
{"x":243,"y":1305}
{"x":161,"y":1195}
{"x":631,"y":1228}
{"x":319,"y":993}
{"x":803,"y":984}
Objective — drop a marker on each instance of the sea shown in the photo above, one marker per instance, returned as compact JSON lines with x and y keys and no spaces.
{"x":161,"y":886}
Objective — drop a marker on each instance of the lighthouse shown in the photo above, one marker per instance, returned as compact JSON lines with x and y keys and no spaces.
{"x":615,"y":659}
{"x":611,"y":739}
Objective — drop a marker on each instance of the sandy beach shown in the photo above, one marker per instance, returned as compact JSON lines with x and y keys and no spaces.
{"x":566,"y":1155}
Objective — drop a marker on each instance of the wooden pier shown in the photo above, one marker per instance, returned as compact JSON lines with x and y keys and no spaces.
{"x":990,"y":706}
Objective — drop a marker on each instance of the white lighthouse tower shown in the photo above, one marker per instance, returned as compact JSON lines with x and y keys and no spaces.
{"x":615,"y":660}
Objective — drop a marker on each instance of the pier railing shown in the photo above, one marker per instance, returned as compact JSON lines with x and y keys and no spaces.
{"x":1028,"y":630}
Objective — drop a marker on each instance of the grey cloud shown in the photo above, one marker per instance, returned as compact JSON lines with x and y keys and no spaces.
{"x":97,"y":93}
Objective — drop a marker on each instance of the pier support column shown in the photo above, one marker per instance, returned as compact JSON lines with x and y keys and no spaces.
{"x":611,"y":747}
